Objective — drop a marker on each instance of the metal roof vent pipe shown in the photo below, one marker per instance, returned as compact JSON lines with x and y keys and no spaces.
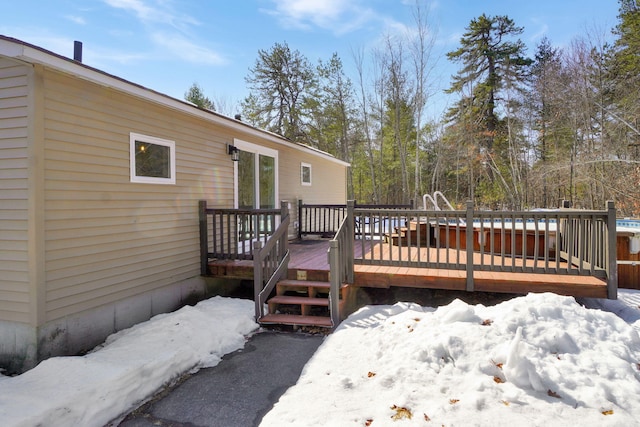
{"x":77,"y":51}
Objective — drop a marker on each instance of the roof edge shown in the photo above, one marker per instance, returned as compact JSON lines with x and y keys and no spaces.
{"x":26,"y":52}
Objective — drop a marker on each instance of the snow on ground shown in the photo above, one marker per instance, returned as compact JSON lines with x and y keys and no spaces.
{"x":539,"y":360}
{"x":131,"y":366}
{"x":627,"y":306}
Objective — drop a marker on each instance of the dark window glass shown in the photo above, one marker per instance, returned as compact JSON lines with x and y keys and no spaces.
{"x":153,"y":160}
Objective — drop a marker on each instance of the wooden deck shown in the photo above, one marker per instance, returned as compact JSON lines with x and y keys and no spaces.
{"x":309,"y":261}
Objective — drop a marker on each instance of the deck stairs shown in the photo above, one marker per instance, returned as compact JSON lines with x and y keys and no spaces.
{"x":409,"y":233}
{"x":300,"y":303}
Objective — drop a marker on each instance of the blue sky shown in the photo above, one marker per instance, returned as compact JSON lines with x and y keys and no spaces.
{"x":167,"y":45}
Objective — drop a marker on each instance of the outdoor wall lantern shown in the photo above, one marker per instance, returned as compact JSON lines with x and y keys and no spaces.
{"x":234,"y":152}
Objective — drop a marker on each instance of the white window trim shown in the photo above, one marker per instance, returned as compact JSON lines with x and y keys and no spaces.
{"x":302,"y":181}
{"x":133,"y":137}
{"x":256,"y":149}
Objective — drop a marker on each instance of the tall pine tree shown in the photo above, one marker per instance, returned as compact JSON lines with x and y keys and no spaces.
{"x":491,"y":61}
{"x":282,"y":84}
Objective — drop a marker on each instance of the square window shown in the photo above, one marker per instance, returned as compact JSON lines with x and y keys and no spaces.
{"x":152,"y":160}
{"x":305,"y":173}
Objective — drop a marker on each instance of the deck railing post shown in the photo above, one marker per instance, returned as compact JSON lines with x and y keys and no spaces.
{"x":258,"y":280}
{"x":335,"y":277}
{"x":300,"y":219}
{"x":349,"y":239}
{"x":284,"y":212}
{"x":204,"y":243}
{"x":469,"y":245}
{"x":612,"y":273}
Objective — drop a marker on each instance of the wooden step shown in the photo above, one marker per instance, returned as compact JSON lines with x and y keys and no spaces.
{"x":287,"y":299}
{"x":296,"y":320}
{"x":289,"y":283}
{"x":305,"y":303}
{"x":402,"y":238}
{"x":311,"y":288}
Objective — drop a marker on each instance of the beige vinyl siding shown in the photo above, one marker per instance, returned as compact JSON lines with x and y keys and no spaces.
{"x":328,"y":182}
{"x":328,"y":178}
{"x":106,"y":238}
{"x":14,"y":269}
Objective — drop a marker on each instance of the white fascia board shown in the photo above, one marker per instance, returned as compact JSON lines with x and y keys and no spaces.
{"x":33,"y":55}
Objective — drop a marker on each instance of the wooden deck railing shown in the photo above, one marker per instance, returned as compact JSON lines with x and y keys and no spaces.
{"x":563,"y":242}
{"x":230,"y":233}
{"x":324,"y":220}
{"x":270,"y":262}
{"x":340,"y":256}
{"x":260,"y":235}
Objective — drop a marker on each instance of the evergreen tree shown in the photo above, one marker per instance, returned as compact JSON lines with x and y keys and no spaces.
{"x":282,"y":85}
{"x":335,"y":111}
{"x":548,"y":115}
{"x":627,"y":46}
{"x":624,"y":72}
{"x":490,"y":62}
{"x":196,"y":96}
{"x":624,"y":65}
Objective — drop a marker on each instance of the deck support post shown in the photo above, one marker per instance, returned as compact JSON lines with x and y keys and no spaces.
{"x":469,"y":245}
{"x":612,"y":273}
{"x":204,"y":243}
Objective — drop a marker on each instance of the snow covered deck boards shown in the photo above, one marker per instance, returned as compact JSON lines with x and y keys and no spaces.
{"x":309,"y":262}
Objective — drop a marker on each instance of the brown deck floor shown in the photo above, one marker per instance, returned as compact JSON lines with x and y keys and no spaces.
{"x":309,"y":261}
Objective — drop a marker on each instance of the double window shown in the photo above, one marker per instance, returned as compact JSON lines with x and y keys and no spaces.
{"x":152,"y":160}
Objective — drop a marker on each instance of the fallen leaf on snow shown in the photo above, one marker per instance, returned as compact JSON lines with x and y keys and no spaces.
{"x":454,"y":401}
{"x":401,"y":413}
{"x":371,"y":374}
{"x":609,"y":412}
{"x":498,"y":380}
{"x":553,"y":394}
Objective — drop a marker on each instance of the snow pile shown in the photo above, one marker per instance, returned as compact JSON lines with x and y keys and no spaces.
{"x":627,"y":306}
{"x":539,"y":360}
{"x":132,"y":365}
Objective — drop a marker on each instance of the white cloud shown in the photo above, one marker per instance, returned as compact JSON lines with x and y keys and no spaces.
{"x":76,"y":19}
{"x":169,"y":30}
{"x":158,"y":12}
{"x":338,"y":16}
{"x":187,"y":50}
{"x":541,"y":30}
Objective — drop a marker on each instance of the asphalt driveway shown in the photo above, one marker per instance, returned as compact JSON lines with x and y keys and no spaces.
{"x":239,"y":391}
